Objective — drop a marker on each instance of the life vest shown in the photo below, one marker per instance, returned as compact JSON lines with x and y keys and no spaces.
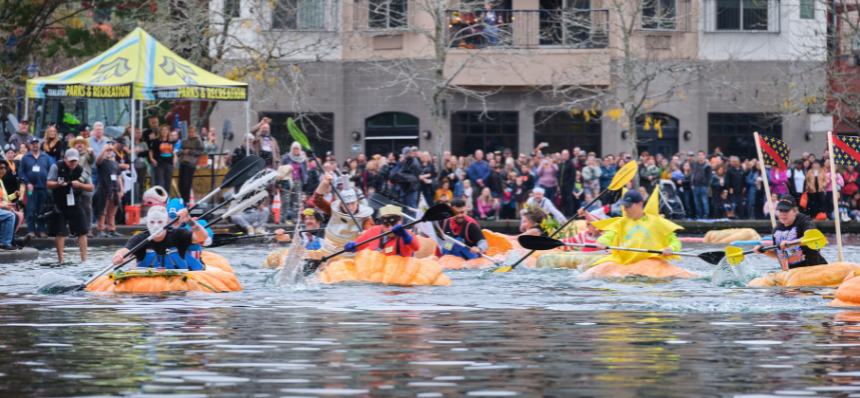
{"x":195,"y":251}
{"x":462,"y":236}
{"x":341,"y":230}
{"x":169,"y":261}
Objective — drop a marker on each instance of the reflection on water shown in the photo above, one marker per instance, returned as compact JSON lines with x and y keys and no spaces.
{"x":525,"y":333}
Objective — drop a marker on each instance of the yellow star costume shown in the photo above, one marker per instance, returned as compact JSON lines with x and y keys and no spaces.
{"x":650,"y":232}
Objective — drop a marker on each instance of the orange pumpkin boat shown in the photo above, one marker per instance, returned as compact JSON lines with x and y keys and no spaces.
{"x":373,"y":266}
{"x":648,"y":268}
{"x":831,"y":275}
{"x":217,"y":278}
{"x":848,"y":293}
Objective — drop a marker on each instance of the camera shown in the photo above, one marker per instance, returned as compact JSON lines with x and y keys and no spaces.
{"x":49,"y":214}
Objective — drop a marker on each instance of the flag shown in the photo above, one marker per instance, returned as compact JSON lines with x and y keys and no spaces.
{"x":775,"y":152}
{"x":845,"y":150}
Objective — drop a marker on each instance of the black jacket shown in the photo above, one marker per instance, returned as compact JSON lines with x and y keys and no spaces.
{"x":792,"y":189}
{"x":735,"y":180}
{"x":701,"y":176}
{"x":494,"y":182}
{"x":567,"y":175}
{"x":797,"y":256}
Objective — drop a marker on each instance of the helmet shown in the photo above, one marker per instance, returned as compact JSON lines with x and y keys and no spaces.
{"x":173,"y":206}
{"x":155,"y":196}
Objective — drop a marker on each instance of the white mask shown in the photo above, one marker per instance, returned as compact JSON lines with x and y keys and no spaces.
{"x":156,"y":221}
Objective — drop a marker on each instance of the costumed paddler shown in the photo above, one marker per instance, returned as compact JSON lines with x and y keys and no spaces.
{"x":641,"y":227}
{"x":157,"y":250}
{"x":341,"y":229}
{"x":312,"y":240}
{"x":402,"y":243}
{"x":464,"y":229}
{"x":195,"y":251}
{"x":792,"y":226}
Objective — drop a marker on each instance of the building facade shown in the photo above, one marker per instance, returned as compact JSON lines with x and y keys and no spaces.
{"x":742,"y":57}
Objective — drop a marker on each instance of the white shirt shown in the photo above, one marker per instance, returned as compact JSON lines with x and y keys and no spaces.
{"x":547,"y":206}
{"x":799,"y":180}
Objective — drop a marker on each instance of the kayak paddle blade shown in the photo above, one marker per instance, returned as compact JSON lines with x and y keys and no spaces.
{"x":438,"y":212}
{"x":623,"y":176}
{"x":311,"y":266}
{"x":734,"y":255}
{"x":539,"y":242}
{"x":814,"y":239}
{"x":712,"y":257}
{"x":242,"y":171}
{"x":503,"y":269}
{"x":297,"y":134}
{"x":378,"y":200}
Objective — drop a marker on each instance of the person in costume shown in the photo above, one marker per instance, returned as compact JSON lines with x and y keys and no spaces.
{"x":403,"y":243}
{"x":195,"y":251}
{"x":464,"y":229}
{"x":588,"y":236}
{"x":157,"y":251}
{"x":312,"y":240}
{"x":532,"y":222}
{"x":341,"y":229}
{"x":545,"y":204}
{"x":792,"y":226}
{"x":640,"y":227}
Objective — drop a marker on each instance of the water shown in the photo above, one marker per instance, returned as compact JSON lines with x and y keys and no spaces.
{"x":525,"y":333}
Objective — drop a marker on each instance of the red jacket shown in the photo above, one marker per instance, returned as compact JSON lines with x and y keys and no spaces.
{"x":391,"y":243}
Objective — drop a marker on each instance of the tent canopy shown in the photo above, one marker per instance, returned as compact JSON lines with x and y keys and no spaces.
{"x":141,"y":67}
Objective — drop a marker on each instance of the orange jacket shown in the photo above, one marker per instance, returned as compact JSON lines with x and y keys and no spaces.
{"x":391,"y":244}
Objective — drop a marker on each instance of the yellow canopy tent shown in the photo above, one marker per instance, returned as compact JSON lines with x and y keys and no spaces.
{"x":138,"y":67}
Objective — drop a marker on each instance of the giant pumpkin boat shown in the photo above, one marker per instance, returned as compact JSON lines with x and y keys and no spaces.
{"x":218,"y":277}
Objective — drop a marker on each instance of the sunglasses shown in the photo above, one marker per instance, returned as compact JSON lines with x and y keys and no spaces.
{"x":389,"y":220}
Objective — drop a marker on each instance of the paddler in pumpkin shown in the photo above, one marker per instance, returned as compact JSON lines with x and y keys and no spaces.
{"x":792,"y":225}
{"x":590,"y":235}
{"x":312,"y":219}
{"x":341,"y":229}
{"x":195,"y":251}
{"x":532,"y":222}
{"x":403,"y":243}
{"x":156,"y":253}
{"x":465,"y":229}
{"x":641,"y":227}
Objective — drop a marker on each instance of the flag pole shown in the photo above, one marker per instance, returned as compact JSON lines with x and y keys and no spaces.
{"x":835,"y":192}
{"x":764,"y":181}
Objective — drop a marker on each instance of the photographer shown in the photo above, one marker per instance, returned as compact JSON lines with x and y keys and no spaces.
{"x":34,"y":172}
{"x":67,"y":184}
{"x":108,"y":192}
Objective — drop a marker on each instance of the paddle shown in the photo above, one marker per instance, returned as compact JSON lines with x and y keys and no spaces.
{"x":438,"y":212}
{"x":303,"y":141}
{"x":130,"y":255}
{"x":237,"y":175}
{"x":543,"y":243}
{"x":382,"y":200}
{"x":622,"y":177}
{"x":219,"y":240}
{"x":812,"y":238}
{"x":261,"y":180}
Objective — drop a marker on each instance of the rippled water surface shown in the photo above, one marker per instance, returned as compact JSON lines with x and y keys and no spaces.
{"x":526,"y":333}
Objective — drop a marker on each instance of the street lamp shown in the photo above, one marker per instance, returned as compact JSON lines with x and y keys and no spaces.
{"x":10,"y":46}
{"x":33,"y":70}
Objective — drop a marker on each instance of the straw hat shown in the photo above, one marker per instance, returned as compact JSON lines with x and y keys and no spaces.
{"x":80,"y":139}
{"x":390,"y":210}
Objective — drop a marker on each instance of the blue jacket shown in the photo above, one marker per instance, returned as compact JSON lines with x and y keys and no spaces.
{"x":478,"y":171}
{"x":751,"y":177}
{"x":606,"y":176}
{"x":39,"y":179}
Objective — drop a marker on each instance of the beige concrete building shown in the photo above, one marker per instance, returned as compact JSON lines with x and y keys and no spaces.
{"x":521,"y":72}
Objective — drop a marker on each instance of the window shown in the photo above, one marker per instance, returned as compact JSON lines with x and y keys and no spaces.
{"x":387,"y":14}
{"x":733,"y":132}
{"x":490,"y":132}
{"x":565,"y":130}
{"x":299,"y":14}
{"x":390,"y":132}
{"x":744,"y":15}
{"x":807,"y":9}
{"x":659,"y":15}
{"x":318,"y":127}
{"x":232,"y":8}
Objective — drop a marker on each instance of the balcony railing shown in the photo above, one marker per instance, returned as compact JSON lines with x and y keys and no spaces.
{"x":745,"y":16}
{"x":561,"y":28}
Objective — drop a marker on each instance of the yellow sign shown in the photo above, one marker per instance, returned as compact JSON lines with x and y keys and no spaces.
{"x":203,"y":93}
{"x":84,"y":91}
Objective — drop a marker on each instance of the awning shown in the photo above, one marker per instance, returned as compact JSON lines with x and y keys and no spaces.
{"x":142,"y":67}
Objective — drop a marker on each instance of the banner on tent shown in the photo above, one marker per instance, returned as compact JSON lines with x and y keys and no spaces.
{"x":203,"y":93}
{"x":86,"y":91}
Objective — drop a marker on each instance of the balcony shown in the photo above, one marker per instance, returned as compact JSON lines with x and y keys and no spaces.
{"x":741,"y":16}
{"x":561,"y":28}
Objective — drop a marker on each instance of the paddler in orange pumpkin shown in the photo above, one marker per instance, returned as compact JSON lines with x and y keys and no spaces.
{"x":641,"y":227}
{"x":403,"y":243}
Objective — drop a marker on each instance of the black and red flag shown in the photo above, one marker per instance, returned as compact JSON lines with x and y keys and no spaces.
{"x":775,"y":152}
{"x":846,"y":150}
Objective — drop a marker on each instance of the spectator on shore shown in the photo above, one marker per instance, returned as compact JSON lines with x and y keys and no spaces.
{"x":22,"y":136}
{"x":607,"y":173}
{"x":161,"y":157}
{"x":816,"y":184}
{"x":547,"y":179}
{"x":52,"y":145}
{"x":487,"y":206}
{"x":796,"y":183}
{"x":67,"y":182}
{"x":735,"y":182}
{"x":700,"y":183}
{"x":540,"y":201}
{"x":649,"y":174}
{"x":191,"y":149}
{"x":478,"y":170}
{"x":828,"y":194}
{"x":34,"y":173}
{"x":567,"y":178}
{"x":849,"y":176}
{"x":591,"y":177}
{"x":265,"y":146}
{"x":108,"y":194}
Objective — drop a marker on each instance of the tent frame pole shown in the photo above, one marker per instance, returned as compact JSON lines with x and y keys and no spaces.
{"x":131,"y":155}
{"x":248,"y":121}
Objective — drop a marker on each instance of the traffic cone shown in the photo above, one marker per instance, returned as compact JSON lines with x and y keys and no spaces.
{"x":276,"y":206}
{"x":191,"y":200}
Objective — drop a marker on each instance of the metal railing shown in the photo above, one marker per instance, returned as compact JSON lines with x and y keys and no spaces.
{"x":304,"y":15}
{"x":747,"y":16}
{"x":565,"y":28}
{"x":666,"y":15}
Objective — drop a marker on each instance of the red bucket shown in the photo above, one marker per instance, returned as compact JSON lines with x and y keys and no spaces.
{"x":132,"y":215}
